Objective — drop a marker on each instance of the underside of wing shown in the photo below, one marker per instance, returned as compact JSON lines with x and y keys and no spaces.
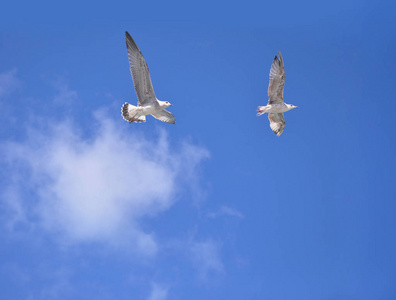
{"x":277,"y":122}
{"x":140,"y":72}
{"x":277,"y":80}
{"x":165,"y":116}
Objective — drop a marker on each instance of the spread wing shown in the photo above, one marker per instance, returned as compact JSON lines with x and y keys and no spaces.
{"x":140,"y":72}
{"x":277,"y":122}
{"x":164,"y":116}
{"x":277,"y":81}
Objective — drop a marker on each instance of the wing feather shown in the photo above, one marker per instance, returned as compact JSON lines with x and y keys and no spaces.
{"x":165,"y":116}
{"x":140,"y":73}
{"x":277,"y":80}
{"x":277,"y":122}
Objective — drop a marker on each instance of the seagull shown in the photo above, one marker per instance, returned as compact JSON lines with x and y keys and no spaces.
{"x":276,"y":107}
{"x":148,"y":104}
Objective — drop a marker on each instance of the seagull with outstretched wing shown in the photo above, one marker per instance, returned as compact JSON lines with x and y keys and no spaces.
{"x":276,"y":106}
{"x":148,"y":103}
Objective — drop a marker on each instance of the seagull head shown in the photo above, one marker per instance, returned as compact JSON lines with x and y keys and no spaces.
{"x":167,"y":104}
{"x":291,"y":106}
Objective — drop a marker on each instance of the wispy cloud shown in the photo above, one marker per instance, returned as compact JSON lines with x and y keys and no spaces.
{"x":226,"y":211}
{"x":14,"y":212}
{"x":206,"y":258}
{"x":8,"y":82}
{"x":64,"y":95}
{"x":158,"y":292}
{"x":58,"y":285}
{"x":98,"y":188}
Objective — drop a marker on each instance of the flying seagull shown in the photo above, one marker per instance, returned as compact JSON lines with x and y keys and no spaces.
{"x":276,"y":107}
{"x":148,"y":104}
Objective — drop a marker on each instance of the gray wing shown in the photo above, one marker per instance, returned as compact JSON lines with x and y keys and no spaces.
{"x":140,"y":72}
{"x":164,"y":116}
{"x":277,"y":81}
{"x":277,"y":122}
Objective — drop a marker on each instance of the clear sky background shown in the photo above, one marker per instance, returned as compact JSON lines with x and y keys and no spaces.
{"x":216,"y":206}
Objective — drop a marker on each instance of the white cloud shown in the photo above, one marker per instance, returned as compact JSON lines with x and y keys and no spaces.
{"x":97,"y":189}
{"x":158,"y":292}
{"x":8,"y":82}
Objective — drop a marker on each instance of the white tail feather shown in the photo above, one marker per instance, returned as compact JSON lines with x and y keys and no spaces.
{"x":261,"y":110}
{"x":131,"y":113}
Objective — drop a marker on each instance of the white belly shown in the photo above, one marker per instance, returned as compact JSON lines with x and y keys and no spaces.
{"x":277,"y":108}
{"x":147,"y":110}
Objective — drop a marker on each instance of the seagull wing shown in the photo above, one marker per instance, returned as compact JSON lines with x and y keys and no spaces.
{"x":277,"y":122}
{"x":164,"y":116}
{"x":140,"y":73}
{"x":277,"y":81}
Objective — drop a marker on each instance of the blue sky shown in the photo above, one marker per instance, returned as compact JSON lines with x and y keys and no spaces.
{"x":216,"y":206}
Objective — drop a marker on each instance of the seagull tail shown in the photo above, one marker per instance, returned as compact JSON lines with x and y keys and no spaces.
{"x":260,"y":110}
{"x":130,"y":113}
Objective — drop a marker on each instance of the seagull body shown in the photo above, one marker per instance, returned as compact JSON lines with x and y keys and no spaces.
{"x":276,"y":106}
{"x":148,"y":103}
